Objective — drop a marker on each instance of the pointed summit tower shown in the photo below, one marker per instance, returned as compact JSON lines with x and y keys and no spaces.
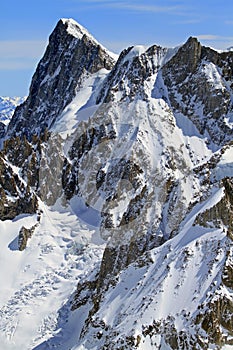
{"x":72,"y":55}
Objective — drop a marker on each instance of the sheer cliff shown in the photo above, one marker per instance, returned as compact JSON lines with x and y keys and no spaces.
{"x":116,"y":181}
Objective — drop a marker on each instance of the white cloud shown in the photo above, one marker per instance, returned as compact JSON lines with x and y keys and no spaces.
{"x":146,"y":8}
{"x":207,"y":37}
{"x":216,"y":41}
{"x":214,"y":37}
{"x":16,"y":64}
{"x":20,"y":54}
{"x":134,"y":6}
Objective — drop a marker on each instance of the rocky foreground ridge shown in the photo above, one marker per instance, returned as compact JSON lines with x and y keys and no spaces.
{"x":139,"y":148}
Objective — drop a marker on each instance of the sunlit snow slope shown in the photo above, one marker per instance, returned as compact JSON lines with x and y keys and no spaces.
{"x":117,"y":200}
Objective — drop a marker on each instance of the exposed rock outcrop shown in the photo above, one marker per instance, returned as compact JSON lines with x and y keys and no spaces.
{"x":130,"y":74}
{"x":2,"y":129}
{"x":24,"y":235}
{"x":200,"y":79}
{"x":16,"y":198}
{"x":72,"y":54}
{"x":222,"y":213}
{"x":148,"y":160}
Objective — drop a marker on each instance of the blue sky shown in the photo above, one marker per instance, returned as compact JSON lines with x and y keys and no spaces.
{"x":25,"y":26}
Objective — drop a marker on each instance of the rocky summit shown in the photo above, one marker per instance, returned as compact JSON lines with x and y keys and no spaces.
{"x":116,"y":208}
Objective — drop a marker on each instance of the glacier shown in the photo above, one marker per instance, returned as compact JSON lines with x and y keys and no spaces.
{"x":116,"y":174}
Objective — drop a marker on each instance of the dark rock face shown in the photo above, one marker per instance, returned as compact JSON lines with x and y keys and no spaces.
{"x":41,"y":163}
{"x":220,"y":315}
{"x":222,"y":212}
{"x":89,"y":139}
{"x":50,"y":170}
{"x":24,"y":235}
{"x":198,"y":78}
{"x":219,"y":306}
{"x":129,"y":75}
{"x":2,"y":129}
{"x":122,"y":175}
{"x":83,"y":293}
{"x":134,"y":207}
{"x":67,"y":60}
{"x":216,"y":312}
{"x":26,"y":156}
{"x":185,"y":61}
{"x":160,"y":199}
{"x":184,"y":75}
{"x":16,"y":198}
{"x":71,"y":56}
{"x":18,"y":151}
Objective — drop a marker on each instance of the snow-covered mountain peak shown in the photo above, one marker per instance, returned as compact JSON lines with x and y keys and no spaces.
{"x":74,"y":28}
{"x":135,"y":51}
{"x":116,"y":200}
{"x":78,"y":31}
{"x":68,"y":61}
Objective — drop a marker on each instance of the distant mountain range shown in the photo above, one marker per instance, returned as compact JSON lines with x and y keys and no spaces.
{"x":116,"y":199}
{"x":7,"y":107}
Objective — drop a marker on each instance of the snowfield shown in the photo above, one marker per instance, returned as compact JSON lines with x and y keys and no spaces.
{"x":146,"y":184}
{"x":39,"y":281}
